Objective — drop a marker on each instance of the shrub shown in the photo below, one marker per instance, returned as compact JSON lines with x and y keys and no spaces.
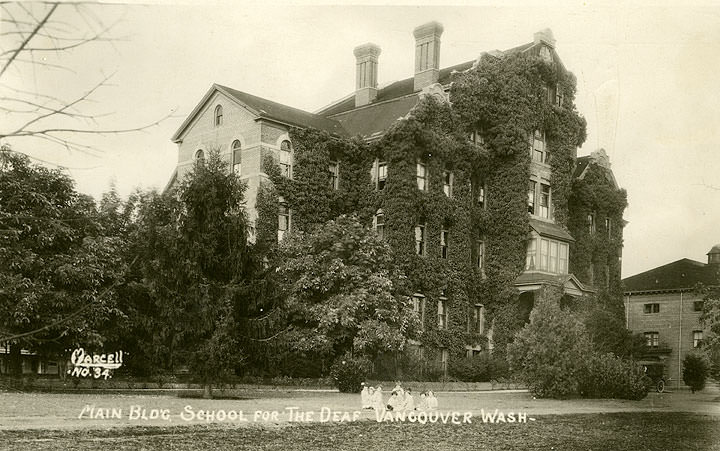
{"x":548,"y":353}
{"x":608,"y":376}
{"x":349,"y":372}
{"x":695,"y":371}
{"x":472,"y":369}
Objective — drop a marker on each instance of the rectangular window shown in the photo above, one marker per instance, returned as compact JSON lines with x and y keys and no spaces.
{"x":380,"y":174}
{"x":481,"y":195}
{"x":563,"y":258}
{"x":538,"y":149}
{"x":544,"y":254}
{"x":531,"y":196}
{"x":531,"y":254}
{"x":608,"y":228}
{"x":447,"y":183}
{"x":286,"y":164}
{"x":544,"y":200}
{"x":334,"y":169}
{"x":591,"y":223}
{"x":237,"y":162}
{"x":553,"y":258}
{"x":476,"y":138}
{"x":379,"y":224}
{"x":652,"y":339}
{"x":419,"y":308}
{"x":477,"y":319}
{"x":697,"y":338}
{"x":547,"y":255}
{"x":558,"y":95}
{"x":420,"y":240}
{"x":444,"y":235}
{"x":283,"y":221}
{"x":698,"y":306}
{"x":480,"y":255}
{"x":422,"y":181}
{"x":442,"y":314}
{"x":444,"y":360}
{"x":651,"y":308}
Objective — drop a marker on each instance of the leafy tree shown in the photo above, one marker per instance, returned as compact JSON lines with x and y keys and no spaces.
{"x":710,"y":318}
{"x":58,"y":269}
{"x":695,"y":371}
{"x":609,"y":334}
{"x":195,"y":263}
{"x":548,"y":352}
{"x":340,"y":292}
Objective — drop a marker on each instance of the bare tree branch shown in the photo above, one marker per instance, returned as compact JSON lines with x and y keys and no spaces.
{"x":34,"y":33}
{"x":27,"y":40}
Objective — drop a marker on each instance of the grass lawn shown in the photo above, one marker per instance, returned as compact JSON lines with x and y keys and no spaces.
{"x":608,"y":431}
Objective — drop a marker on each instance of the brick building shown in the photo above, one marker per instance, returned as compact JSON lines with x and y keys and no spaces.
{"x":245,"y":128}
{"x":662,"y":304}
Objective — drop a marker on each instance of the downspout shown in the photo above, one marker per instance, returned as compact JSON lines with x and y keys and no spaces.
{"x":680,"y":341}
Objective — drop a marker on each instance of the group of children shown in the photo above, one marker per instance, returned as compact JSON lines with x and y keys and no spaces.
{"x":400,"y":399}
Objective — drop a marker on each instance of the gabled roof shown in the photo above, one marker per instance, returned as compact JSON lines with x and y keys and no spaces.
{"x":265,"y":109}
{"x":392,"y":91}
{"x":373,"y":120}
{"x":680,"y":274}
{"x":597,"y":159}
{"x":550,"y":229}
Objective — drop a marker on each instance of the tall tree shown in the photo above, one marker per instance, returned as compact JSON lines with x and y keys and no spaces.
{"x":195,"y":261}
{"x":340,"y":292}
{"x":58,"y":268}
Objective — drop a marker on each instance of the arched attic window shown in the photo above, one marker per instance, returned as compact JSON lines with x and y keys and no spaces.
{"x":218,"y":115}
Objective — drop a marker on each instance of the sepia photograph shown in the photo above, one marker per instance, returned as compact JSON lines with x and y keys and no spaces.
{"x":359,"y":225}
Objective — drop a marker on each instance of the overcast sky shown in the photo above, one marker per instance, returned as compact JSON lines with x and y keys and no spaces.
{"x":647,"y":85}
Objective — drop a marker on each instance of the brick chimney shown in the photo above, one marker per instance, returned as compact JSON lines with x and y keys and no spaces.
{"x":427,"y":54}
{"x":366,"y":57}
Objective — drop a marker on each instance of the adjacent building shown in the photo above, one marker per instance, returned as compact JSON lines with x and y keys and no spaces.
{"x":663,"y":305}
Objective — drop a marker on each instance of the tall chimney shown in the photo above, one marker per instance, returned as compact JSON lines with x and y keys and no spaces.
{"x":366,"y":57}
{"x":427,"y":54}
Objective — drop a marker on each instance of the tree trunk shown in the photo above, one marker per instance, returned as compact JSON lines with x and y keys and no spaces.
{"x":15,"y":360}
{"x":207,"y":391}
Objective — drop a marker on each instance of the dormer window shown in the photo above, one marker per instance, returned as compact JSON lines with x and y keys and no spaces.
{"x":218,"y":115}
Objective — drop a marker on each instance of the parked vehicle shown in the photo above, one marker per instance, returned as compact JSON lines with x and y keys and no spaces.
{"x":655,"y":371}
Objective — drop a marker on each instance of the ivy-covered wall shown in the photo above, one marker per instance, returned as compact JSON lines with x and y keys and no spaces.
{"x":595,"y":256}
{"x":504,"y":100}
